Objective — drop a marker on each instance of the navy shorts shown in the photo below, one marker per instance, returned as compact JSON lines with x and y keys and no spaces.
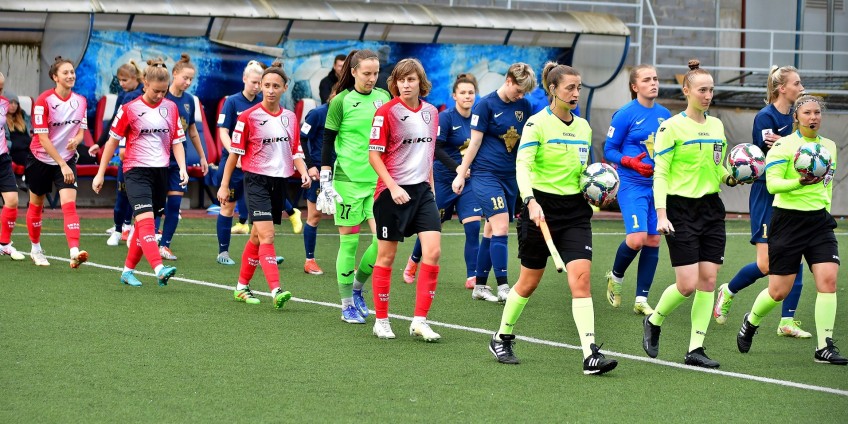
{"x":465,"y":205}
{"x":8,"y":183}
{"x":174,"y":179}
{"x":495,"y":194}
{"x":637,"y":209}
{"x":759,"y":205}
{"x":312,"y":192}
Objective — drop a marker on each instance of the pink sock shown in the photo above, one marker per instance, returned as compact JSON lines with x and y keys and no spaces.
{"x":7,"y":219}
{"x":33,"y":218}
{"x":135,"y":252}
{"x":426,"y":289}
{"x":381,"y":281}
{"x":72,"y":224}
{"x":268,"y":261}
{"x":147,"y":239}
{"x":249,"y":262}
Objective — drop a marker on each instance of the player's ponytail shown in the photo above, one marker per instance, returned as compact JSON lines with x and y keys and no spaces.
{"x":353,"y":59}
{"x":254,"y":66}
{"x":694,"y":70}
{"x":130,"y":70}
{"x":552,"y":74}
{"x":277,"y":69}
{"x":57,"y":62}
{"x":777,"y":78}
{"x":156,"y":71}
{"x":183,"y":63}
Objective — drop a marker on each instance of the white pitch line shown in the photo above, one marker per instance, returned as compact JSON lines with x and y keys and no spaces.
{"x":534,"y":340}
{"x":362,"y":234}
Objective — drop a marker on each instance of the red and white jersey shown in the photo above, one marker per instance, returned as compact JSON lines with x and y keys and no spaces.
{"x":61,"y":119}
{"x":4,"y":107}
{"x":148,"y":132}
{"x":269,"y":143}
{"x":407,"y":139}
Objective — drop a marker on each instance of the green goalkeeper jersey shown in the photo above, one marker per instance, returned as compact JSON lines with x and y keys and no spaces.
{"x":350,"y":115}
{"x":688,"y":158}
{"x":783,"y":180}
{"x":552,"y":155}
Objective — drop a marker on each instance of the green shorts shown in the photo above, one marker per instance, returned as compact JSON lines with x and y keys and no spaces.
{"x":358,"y":202}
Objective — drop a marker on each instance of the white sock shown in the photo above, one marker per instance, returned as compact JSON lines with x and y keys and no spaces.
{"x":727,"y":292}
{"x":275,"y":291}
{"x":36,"y":247}
{"x":240,"y":286}
{"x":357,"y":285}
{"x":348,"y":301}
{"x":640,"y":299}
{"x":74,"y":252}
{"x":416,"y":320}
{"x":128,"y":269}
{"x":616,"y":279}
{"x":158,"y":267}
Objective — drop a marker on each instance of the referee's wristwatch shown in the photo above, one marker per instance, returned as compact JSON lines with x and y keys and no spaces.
{"x":528,"y":199}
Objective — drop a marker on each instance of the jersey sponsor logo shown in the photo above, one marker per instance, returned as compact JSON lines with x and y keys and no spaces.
{"x":261,"y":213}
{"x":269,"y":140}
{"x":143,"y":205}
{"x":377,"y":104}
{"x":474,"y":119}
{"x":378,"y":121}
{"x":828,"y":177}
{"x":417,"y":140}
{"x":703,"y":134}
{"x":68,"y":122}
{"x":717,"y":153}
{"x":498,"y":114}
{"x":263,"y":122}
{"x":568,"y":134}
{"x":766,"y":132}
{"x":375,"y":133}
{"x":305,"y":127}
{"x":55,"y":107}
{"x":39,"y":119}
{"x":639,"y":122}
{"x":455,"y":128}
{"x":39,"y":110}
{"x":510,"y":138}
{"x":74,"y":104}
{"x":782,"y":128}
{"x":426,"y":116}
{"x":221,"y":118}
{"x":163,"y":111}
{"x":239,"y":126}
{"x":236,"y":138}
{"x":610,"y":131}
{"x":142,"y":114}
{"x":583,"y":152}
{"x":519,"y":115}
{"x":376,"y":148}
{"x":154,"y":131}
{"x":180,"y":132}
{"x":404,"y":117}
{"x":356,"y":104}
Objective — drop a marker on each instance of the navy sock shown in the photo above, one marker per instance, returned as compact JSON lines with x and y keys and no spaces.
{"x":472,"y":245}
{"x":791,"y":301}
{"x":500,"y":257}
{"x":647,"y":268}
{"x":172,"y":218}
{"x":484,"y":261}
{"x":128,"y":212}
{"x":241,"y":206}
{"x":745,"y":277}
{"x":416,"y":251}
{"x":122,"y":205}
{"x":156,"y":221}
{"x":623,"y":258}
{"x":223,"y":228}
{"x":310,"y":235}
{"x":289,"y":208}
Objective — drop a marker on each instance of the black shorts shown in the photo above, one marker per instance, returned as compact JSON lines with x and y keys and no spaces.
{"x":8,"y":183}
{"x":699,"y":232}
{"x":147,"y":189}
{"x":41,"y":177}
{"x":419,"y":214}
{"x":265,"y":197}
{"x":569,"y":219}
{"x":793,"y":234}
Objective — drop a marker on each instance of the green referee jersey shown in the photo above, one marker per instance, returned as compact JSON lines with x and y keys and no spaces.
{"x":688,"y":158}
{"x":552,"y":155}
{"x":783,"y":180}
{"x":350,"y":115}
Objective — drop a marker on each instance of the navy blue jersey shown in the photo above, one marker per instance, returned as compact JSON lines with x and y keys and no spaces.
{"x":501,"y":124}
{"x":312,"y":133}
{"x":233,"y":107}
{"x":453,"y":139}
{"x":769,"y":119}
{"x":185,"y":104}
{"x":632,"y":133}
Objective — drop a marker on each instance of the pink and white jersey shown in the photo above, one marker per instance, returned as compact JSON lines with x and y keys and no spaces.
{"x":4,"y":107}
{"x":268,"y":143}
{"x":148,"y":132}
{"x":407,"y":139}
{"x":61,"y":119}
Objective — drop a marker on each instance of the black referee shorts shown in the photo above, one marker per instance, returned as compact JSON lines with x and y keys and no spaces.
{"x":700,"y":233}
{"x":793,"y":234}
{"x":569,"y":219}
{"x":265,"y":197}
{"x":41,"y":177}
{"x":147,"y":189}
{"x":419,"y":214}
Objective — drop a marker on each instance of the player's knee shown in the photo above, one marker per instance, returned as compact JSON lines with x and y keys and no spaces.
{"x":826,"y":284}
{"x":431,"y":255}
{"x":228,"y":209}
{"x":763,"y":265}
{"x":386,"y":258}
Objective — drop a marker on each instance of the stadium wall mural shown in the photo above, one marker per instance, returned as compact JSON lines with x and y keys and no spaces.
{"x":219,"y":67}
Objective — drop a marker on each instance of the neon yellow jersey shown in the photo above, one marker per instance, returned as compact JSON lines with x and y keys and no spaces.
{"x":688,"y":158}
{"x":783,"y":180}
{"x":351,"y":114}
{"x":552,"y":155}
